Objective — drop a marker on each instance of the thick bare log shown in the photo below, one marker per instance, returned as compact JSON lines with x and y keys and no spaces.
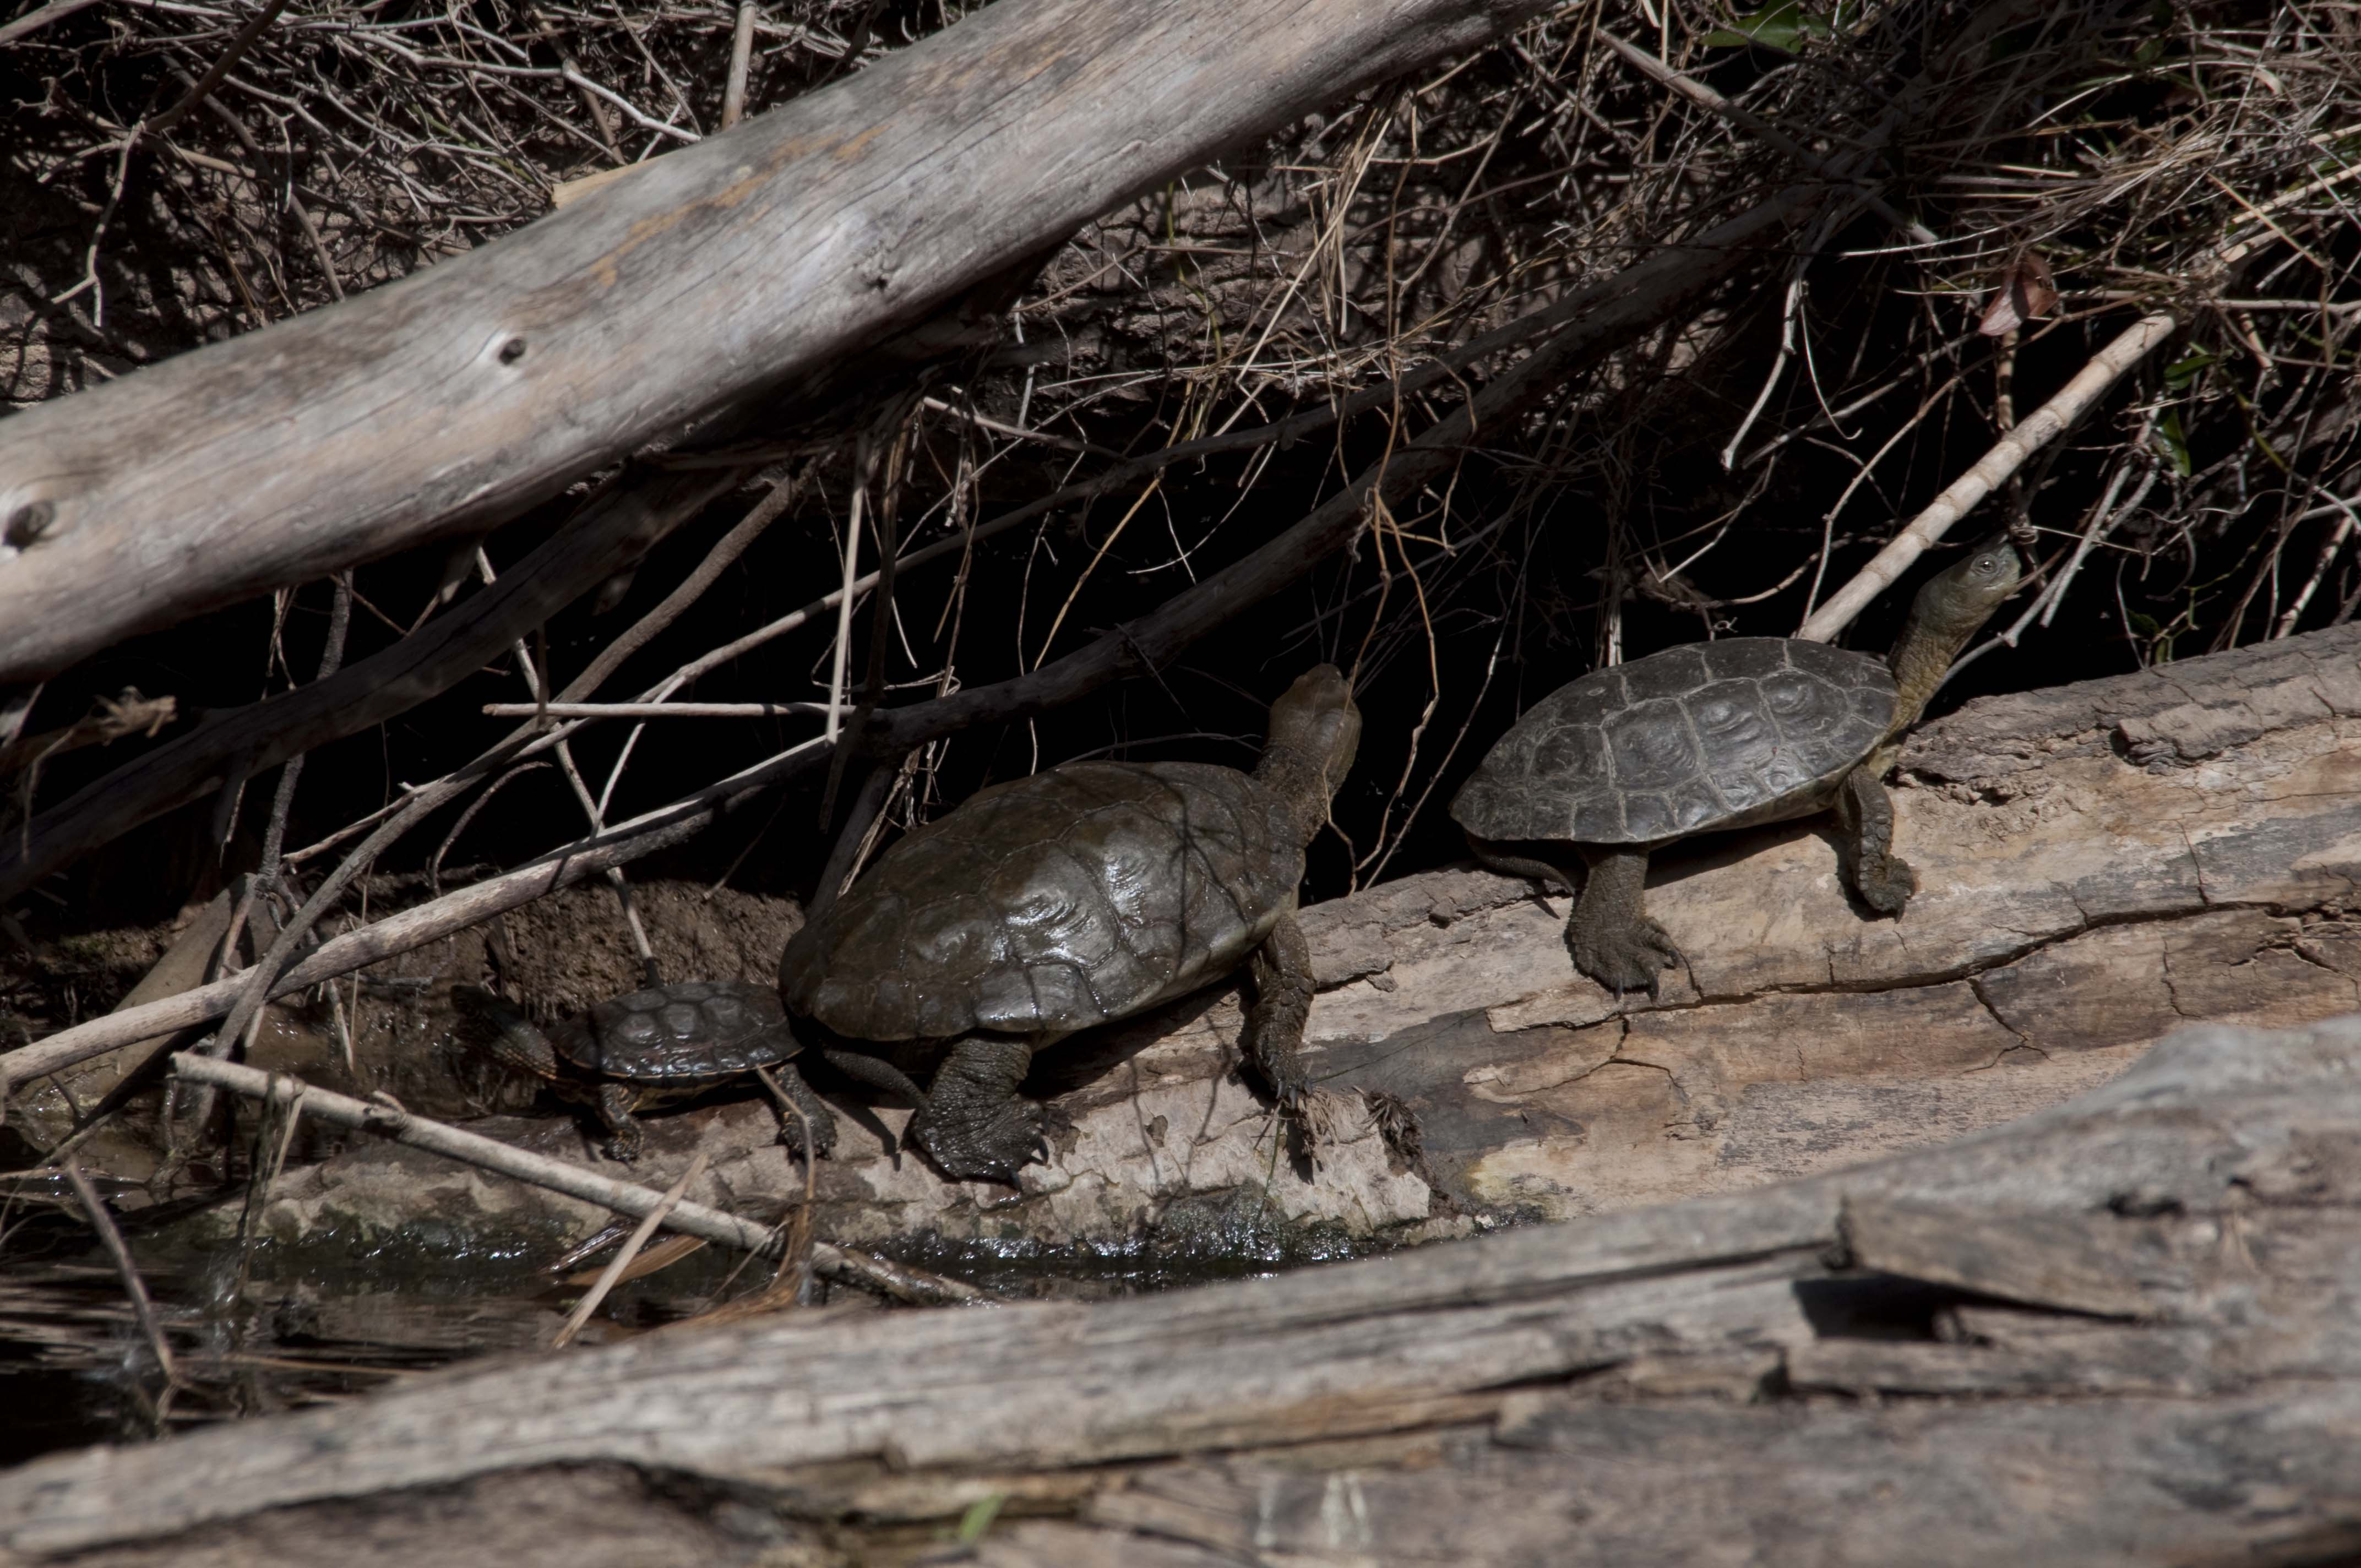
{"x":2102,"y":864}
{"x":2215,"y":1188}
{"x":460,"y":395}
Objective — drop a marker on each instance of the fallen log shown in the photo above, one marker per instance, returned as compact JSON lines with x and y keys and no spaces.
{"x":460,"y":395}
{"x":2102,"y":864}
{"x":2116,"y":1331}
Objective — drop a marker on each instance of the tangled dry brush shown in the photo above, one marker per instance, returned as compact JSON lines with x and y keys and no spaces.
{"x":2008,"y":188}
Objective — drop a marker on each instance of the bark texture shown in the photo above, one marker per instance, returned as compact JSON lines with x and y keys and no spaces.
{"x":2118,"y":1331}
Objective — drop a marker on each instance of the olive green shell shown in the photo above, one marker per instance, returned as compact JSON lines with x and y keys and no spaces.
{"x":685,"y":1033}
{"x":1705,"y":736}
{"x":1053,"y":903}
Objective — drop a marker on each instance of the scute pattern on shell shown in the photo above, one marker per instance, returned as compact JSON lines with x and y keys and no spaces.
{"x":1052,"y":903}
{"x":1705,"y":736}
{"x":688,"y":1030}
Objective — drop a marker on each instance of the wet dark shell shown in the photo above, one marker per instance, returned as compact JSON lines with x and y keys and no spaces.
{"x":685,"y":1032}
{"x":1052,"y":903}
{"x":1707,"y":736}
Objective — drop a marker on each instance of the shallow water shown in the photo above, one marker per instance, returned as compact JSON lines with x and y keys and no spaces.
{"x":263,"y":1329}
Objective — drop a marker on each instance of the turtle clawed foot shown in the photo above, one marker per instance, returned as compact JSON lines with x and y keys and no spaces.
{"x":623,"y":1145}
{"x":992,"y":1148}
{"x":1630,"y":958}
{"x":823,"y":1133}
{"x":1886,"y":885}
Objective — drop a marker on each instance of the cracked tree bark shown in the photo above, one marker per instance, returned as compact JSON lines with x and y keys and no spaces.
{"x":2119,"y":1331}
{"x":2102,"y":864}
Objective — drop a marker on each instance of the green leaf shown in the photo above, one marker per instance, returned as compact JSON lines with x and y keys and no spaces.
{"x":1778,"y":25}
{"x":2146,"y":624}
{"x":979,"y":1516}
{"x":2168,"y":428}
{"x":2179,"y":374}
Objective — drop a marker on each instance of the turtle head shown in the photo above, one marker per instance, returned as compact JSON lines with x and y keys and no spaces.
{"x":1315,"y":730}
{"x":1946,"y":612}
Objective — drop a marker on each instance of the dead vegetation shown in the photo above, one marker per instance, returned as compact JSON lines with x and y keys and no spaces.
{"x":1427,"y":384}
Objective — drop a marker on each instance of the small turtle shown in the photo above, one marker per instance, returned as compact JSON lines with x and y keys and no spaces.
{"x":1711,"y":736}
{"x":632,"y":1052}
{"x":1077,"y":896}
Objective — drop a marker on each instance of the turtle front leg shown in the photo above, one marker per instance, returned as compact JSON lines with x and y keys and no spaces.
{"x":1610,"y":934}
{"x":1865,"y":814}
{"x":1274,"y":1033}
{"x":816,"y":1115}
{"x":971,"y":1123}
{"x":614,"y":1104}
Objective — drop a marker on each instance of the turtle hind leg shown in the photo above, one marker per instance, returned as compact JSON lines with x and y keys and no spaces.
{"x":1865,"y":814}
{"x":1610,"y":934}
{"x":816,"y":1116}
{"x":1274,"y":1032}
{"x":972,"y":1123}
{"x":614,"y":1104}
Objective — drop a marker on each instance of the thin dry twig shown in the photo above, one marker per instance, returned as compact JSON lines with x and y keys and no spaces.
{"x":387,"y":1119}
{"x":629,"y":1251}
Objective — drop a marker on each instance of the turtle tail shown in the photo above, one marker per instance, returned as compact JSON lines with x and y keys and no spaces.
{"x":1493,"y":858}
{"x":874,"y":1071}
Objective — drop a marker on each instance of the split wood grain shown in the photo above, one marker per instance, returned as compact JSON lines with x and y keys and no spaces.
{"x":2206,"y":1123}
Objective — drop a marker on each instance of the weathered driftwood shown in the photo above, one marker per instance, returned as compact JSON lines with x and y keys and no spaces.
{"x":464,"y":392}
{"x":2104,"y":862}
{"x":1544,"y":1396}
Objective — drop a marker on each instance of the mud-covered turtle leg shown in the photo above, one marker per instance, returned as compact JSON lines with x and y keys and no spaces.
{"x":1274,"y":1032}
{"x":971,"y":1123}
{"x":1865,"y":814}
{"x":614,"y":1104}
{"x":815,"y":1111}
{"x":1610,"y":934}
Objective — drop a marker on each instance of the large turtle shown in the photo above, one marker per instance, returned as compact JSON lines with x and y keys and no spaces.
{"x":1716,"y":735}
{"x":1085,"y":893}
{"x":666,"y":1043}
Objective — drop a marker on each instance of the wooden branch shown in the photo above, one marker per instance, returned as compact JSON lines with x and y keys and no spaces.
{"x":2037,"y":431}
{"x":720,"y":270}
{"x":622,"y":1197}
{"x":655,"y":709}
{"x":39,"y":16}
{"x":1486,"y":1361}
{"x":616,"y":527}
{"x":130,"y":714}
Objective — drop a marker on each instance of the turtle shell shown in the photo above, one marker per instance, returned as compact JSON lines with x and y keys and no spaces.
{"x":683,"y":1033}
{"x":1705,"y":736}
{"x":1053,"y":903}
